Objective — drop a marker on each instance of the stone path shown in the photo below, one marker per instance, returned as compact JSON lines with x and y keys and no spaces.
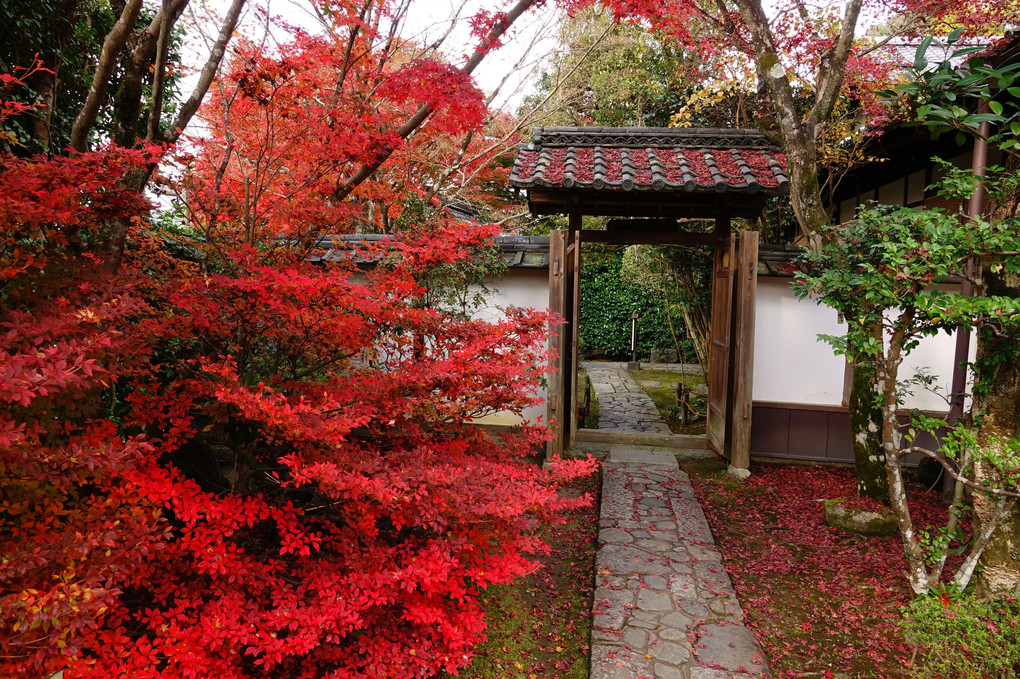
{"x":664,"y":606}
{"x":623,"y":405}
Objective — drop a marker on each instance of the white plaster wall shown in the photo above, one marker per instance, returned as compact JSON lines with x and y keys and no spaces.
{"x":791,"y":365}
{"x":525,"y":288}
{"x":934,"y":355}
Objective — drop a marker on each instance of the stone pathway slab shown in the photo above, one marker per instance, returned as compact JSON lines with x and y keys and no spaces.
{"x":664,"y":606}
{"x":623,"y":405}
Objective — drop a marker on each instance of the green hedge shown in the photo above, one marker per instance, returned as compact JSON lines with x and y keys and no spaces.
{"x":607,"y":302}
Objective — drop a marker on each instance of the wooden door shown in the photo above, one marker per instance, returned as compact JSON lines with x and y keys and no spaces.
{"x":742,"y":367}
{"x":720,"y":356}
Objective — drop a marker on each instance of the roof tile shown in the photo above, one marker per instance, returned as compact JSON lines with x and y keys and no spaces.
{"x":651,"y":159}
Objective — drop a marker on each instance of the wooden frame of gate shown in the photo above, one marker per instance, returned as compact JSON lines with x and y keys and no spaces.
{"x":732,"y":332}
{"x":731,"y":353}
{"x":654,"y":178}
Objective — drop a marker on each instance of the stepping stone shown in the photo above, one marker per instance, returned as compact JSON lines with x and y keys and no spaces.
{"x":646,"y":458}
{"x":731,"y":647}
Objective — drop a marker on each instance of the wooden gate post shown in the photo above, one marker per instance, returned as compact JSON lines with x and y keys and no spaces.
{"x":557,"y":304}
{"x":574,"y":319}
{"x":746,"y":287}
{"x":720,"y":345}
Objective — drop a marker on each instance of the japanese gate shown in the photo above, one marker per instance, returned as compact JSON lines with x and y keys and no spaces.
{"x":650,"y":180}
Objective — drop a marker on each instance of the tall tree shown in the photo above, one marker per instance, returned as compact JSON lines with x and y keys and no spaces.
{"x":880,"y":273}
{"x":980,"y":99}
{"x":218,"y":458}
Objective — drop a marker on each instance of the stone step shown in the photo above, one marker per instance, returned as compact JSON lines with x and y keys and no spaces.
{"x":641,"y":438}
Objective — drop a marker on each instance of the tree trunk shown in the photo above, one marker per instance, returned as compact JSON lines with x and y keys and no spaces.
{"x":866,"y":430}
{"x":1000,"y":562}
{"x":886,"y":368}
{"x":805,"y":191}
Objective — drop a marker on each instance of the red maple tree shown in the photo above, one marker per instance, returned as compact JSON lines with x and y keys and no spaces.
{"x":225,"y":460}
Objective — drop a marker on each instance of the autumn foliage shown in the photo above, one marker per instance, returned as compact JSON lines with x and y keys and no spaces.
{"x":225,"y":460}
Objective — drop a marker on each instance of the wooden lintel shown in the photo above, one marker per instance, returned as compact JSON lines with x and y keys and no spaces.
{"x":664,"y":205}
{"x":660,"y":225}
{"x":649,"y":237}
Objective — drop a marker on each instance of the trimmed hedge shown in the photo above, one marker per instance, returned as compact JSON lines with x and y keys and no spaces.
{"x":607,"y":302}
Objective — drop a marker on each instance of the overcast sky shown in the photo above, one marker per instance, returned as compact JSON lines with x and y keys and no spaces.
{"x":532,"y":41}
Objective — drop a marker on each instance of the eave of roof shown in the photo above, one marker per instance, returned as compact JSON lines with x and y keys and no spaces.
{"x":520,"y":252}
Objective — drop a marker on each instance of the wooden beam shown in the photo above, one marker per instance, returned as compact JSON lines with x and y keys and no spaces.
{"x":721,"y":345}
{"x":650,"y":237}
{"x":641,"y":225}
{"x":723,"y":222}
{"x":646,"y":204}
{"x":575,"y":340}
{"x":569,"y":330}
{"x":554,"y":395}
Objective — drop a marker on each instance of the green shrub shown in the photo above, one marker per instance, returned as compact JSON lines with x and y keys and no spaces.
{"x":963,"y":638}
{"x":607,"y":301}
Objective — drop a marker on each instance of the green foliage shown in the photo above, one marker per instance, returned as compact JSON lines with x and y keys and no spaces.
{"x":458,"y":287}
{"x":941,"y":95}
{"x":682,"y":277}
{"x":881,"y":272}
{"x":66,"y":36}
{"x":963,"y":638}
{"x":607,"y":301}
{"x":612,"y":74}
{"x":891,"y":258}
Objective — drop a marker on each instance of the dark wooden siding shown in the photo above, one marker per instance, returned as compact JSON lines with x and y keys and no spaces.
{"x":807,"y":432}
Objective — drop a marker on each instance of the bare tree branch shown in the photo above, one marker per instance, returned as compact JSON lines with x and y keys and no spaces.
{"x":832,"y":67}
{"x":170,"y":13}
{"x":425,"y":110}
{"x":212,"y":64}
{"x":950,"y":469}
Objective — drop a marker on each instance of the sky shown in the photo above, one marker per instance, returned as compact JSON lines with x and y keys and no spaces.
{"x":530,"y":46}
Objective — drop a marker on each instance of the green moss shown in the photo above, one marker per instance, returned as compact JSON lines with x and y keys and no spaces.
{"x":963,"y":638}
{"x":540,"y":625}
{"x":860,"y":521}
{"x":664,"y":397}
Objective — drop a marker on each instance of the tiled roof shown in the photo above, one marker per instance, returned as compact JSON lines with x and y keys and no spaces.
{"x":692,"y":160}
{"x":520,"y":252}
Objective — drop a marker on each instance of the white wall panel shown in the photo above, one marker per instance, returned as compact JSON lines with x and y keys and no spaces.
{"x":791,"y":365}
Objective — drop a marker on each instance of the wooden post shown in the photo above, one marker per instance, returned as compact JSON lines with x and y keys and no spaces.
{"x":554,"y":398}
{"x":746,"y":284}
{"x":574,"y":222}
{"x":720,"y":345}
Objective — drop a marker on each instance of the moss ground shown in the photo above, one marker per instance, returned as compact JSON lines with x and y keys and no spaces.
{"x":539,"y":627}
{"x":664,"y":395}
